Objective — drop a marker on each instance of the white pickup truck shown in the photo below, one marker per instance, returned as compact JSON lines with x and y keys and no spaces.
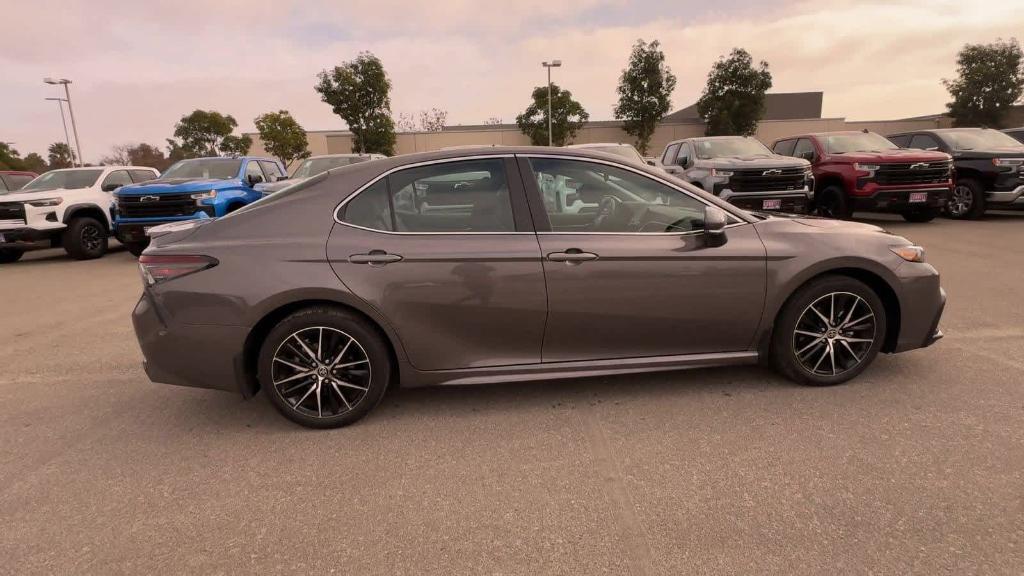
{"x":68,"y":207}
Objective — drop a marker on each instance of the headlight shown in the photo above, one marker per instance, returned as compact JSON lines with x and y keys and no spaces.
{"x":865,"y":167}
{"x":1008,"y":162}
{"x":204,"y":195}
{"x":909,"y":253}
{"x":717,"y":172}
{"x":46,"y":202}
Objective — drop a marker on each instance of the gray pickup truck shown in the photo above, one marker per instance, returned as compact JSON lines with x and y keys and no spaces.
{"x":742,"y":171}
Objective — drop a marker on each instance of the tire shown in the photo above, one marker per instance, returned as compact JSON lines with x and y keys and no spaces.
{"x":920,"y":214}
{"x":136,"y":248}
{"x":85,"y":238}
{"x":801,"y":340}
{"x":967,"y":202}
{"x":324,"y":397}
{"x":8,"y":255}
{"x":832,"y":203}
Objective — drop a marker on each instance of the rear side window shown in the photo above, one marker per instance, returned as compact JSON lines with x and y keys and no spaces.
{"x":142,"y":175}
{"x":785,"y":147}
{"x":371,"y":208}
{"x":670,"y":154}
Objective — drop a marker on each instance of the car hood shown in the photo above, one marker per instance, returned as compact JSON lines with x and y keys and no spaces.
{"x":1007,"y":152}
{"x":891,"y":156}
{"x":19,"y":196}
{"x":271,"y":187}
{"x":754,"y":162}
{"x":178,"y":185}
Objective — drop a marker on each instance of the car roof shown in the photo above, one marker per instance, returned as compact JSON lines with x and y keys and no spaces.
{"x":351,"y":155}
{"x":598,"y":145}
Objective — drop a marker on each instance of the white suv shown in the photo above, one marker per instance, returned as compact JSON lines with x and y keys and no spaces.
{"x":69,"y":208}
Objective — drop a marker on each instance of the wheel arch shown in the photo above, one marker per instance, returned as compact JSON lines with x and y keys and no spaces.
{"x":90,"y":210}
{"x":249,"y":359}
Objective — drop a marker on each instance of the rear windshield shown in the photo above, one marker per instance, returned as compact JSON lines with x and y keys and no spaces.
{"x":860,"y":142}
{"x":730,"y":147}
{"x":979,"y":140}
{"x":66,"y":179}
{"x":207,"y":168}
{"x":314,"y":166}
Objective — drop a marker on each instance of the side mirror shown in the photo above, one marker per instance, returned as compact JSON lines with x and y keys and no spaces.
{"x":253,"y":179}
{"x":683,"y":161}
{"x":809,"y":156}
{"x":110,"y":187}
{"x":650,"y":162}
{"x":715,"y":220}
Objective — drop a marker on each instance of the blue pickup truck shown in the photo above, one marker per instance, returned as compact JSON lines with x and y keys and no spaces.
{"x":189,"y":190}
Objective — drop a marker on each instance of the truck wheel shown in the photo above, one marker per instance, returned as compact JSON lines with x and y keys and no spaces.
{"x":8,"y":255}
{"x":920,"y":214}
{"x":85,"y":238}
{"x":136,"y":248}
{"x":967,"y":202}
{"x":832,"y":203}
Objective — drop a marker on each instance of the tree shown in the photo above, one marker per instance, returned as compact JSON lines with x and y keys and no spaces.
{"x":645,"y":91}
{"x":61,"y":156}
{"x":34,"y":163}
{"x":10,"y":159}
{"x":359,"y":92}
{"x":206,"y":132}
{"x":733,"y":100}
{"x":147,"y":155}
{"x":406,"y":122}
{"x":282,"y":136}
{"x":493,"y":121}
{"x":432,"y":120}
{"x":118,"y":156}
{"x":990,"y":80}
{"x":567,"y":117}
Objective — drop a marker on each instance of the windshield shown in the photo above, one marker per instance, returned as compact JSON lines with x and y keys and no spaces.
{"x":67,"y":179}
{"x":721,"y":148}
{"x":625,"y":151}
{"x":314,"y":166}
{"x":211,"y":168}
{"x":979,"y":140}
{"x":859,"y":142}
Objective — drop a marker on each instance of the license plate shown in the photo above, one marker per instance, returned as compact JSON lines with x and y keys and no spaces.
{"x":918,"y":196}
{"x":771,"y":204}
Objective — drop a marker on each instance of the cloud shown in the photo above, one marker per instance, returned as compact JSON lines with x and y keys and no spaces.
{"x":138,"y":67}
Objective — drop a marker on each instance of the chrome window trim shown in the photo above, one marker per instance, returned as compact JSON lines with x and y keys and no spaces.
{"x":623,"y":166}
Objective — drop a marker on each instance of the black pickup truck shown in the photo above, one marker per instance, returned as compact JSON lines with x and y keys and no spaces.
{"x":989,"y":167}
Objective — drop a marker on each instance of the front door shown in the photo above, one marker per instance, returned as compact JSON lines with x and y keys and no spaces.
{"x":631,"y":274}
{"x":446,"y":252}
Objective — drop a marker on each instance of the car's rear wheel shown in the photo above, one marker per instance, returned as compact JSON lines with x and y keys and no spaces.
{"x":136,"y":248}
{"x":324,"y":367}
{"x":920,"y":214}
{"x":829,"y":331}
{"x":967,"y":202}
{"x":85,"y":238}
{"x":832,"y":203}
{"x":8,"y":255}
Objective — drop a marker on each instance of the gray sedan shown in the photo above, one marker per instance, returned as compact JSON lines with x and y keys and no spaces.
{"x":495,"y":265}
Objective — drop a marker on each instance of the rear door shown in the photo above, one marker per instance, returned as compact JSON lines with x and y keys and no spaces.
{"x":446,"y":252}
{"x":636,"y":277}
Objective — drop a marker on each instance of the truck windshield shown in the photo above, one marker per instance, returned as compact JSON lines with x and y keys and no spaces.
{"x":726,"y":147}
{"x":859,"y":142}
{"x":212,"y":168}
{"x":979,"y":140}
{"x":314,"y":166}
{"x":66,"y":179}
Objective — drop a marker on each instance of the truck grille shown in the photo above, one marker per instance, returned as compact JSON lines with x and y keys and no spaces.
{"x":767,"y":180}
{"x":12,"y":214}
{"x":914,"y":173}
{"x":150,"y":206}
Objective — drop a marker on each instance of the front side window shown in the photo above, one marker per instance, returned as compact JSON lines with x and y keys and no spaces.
{"x":205,"y":168}
{"x":582,"y":196}
{"x":450,"y":197}
{"x":784,"y":148}
{"x":924,"y":142}
{"x":253,"y":174}
{"x":271,"y":170}
{"x":670,"y":154}
{"x":804,"y":149}
{"x":66,"y":179}
{"x":116,"y":179}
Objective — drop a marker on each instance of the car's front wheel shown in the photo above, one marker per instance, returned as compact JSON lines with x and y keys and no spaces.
{"x":829,"y":331}
{"x":324,"y":367}
{"x":832,"y":203}
{"x":967,"y":202}
{"x":85,"y":238}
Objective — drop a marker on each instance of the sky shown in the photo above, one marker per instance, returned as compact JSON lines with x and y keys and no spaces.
{"x":138,"y":67}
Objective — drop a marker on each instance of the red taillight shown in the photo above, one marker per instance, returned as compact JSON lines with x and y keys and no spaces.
{"x":156,"y":268}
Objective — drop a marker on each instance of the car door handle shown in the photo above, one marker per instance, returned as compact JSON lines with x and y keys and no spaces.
{"x":374,"y":258}
{"x":572,"y":255}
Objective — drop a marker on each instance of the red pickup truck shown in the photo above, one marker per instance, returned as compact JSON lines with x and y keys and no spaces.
{"x":865,"y":172}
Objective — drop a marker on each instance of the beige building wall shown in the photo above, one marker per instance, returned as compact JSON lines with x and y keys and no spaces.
{"x":340,"y":142}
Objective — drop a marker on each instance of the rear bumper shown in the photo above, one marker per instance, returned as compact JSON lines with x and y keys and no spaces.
{"x":200,"y":356}
{"x":898,"y":199}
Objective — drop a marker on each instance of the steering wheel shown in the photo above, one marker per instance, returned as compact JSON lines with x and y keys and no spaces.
{"x":607,"y":210}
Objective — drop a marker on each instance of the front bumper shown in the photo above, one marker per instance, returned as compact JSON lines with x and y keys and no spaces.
{"x":922,"y":301}
{"x":200,"y":356}
{"x":898,"y":199}
{"x":135,"y":229}
{"x":793,"y":203}
{"x":1015,"y":196}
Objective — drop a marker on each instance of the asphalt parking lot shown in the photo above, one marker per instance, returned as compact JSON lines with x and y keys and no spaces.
{"x":916,"y":467}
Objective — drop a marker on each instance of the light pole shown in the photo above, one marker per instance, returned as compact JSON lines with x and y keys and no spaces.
{"x":549,"y":66}
{"x":64,"y":122}
{"x":74,"y":127}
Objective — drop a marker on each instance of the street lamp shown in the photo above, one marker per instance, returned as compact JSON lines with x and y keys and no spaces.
{"x":549,"y":66}
{"x":64,"y":122}
{"x":74,"y":127}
